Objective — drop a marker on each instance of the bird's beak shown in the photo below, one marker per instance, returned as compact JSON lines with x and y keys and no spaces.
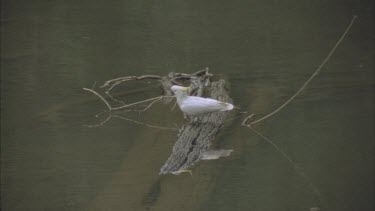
{"x":187,"y":88}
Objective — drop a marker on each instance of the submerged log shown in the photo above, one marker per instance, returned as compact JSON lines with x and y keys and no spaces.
{"x":196,"y":136}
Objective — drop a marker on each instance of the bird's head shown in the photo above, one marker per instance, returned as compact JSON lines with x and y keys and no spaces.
{"x":176,"y":88}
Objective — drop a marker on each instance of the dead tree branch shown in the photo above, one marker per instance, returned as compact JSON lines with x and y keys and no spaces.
{"x":311,"y":77}
{"x":247,"y":123}
{"x":100,"y":97}
{"x":195,"y":138}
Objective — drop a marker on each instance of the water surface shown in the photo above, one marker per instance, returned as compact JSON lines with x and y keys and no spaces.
{"x":264,"y":49}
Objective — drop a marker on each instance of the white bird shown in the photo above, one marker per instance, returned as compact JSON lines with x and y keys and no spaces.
{"x":194,"y":106}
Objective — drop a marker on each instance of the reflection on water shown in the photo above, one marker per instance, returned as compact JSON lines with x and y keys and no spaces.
{"x":265,"y":50}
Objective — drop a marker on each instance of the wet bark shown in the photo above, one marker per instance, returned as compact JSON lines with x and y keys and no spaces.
{"x":195,"y":137}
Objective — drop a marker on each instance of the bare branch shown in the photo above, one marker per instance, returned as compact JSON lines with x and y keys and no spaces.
{"x":175,"y":103}
{"x":249,"y":125}
{"x":237,"y":116}
{"x":114,"y":82}
{"x":149,"y":105}
{"x":101,"y":123}
{"x":298,"y":169}
{"x":311,"y":77}
{"x":150,"y":101}
{"x":141,"y":102}
{"x":114,"y":99}
{"x":145,"y":124}
{"x":100,"y":97}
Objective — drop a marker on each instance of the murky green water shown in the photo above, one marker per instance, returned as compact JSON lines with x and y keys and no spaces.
{"x":264,"y":49}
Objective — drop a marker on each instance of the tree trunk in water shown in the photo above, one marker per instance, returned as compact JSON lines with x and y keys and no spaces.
{"x":195,"y":137}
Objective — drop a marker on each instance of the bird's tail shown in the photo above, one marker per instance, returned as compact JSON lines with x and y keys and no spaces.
{"x":228,"y":107}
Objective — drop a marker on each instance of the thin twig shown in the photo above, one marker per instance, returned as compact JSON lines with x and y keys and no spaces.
{"x":128,"y":78}
{"x":100,"y":97}
{"x":175,"y":103}
{"x":237,"y":116}
{"x":311,"y":77}
{"x":111,"y":109}
{"x":149,"y":105}
{"x":140,"y":102}
{"x":101,"y":123}
{"x":110,"y":84}
{"x":114,"y":99}
{"x":249,"y":125}
{"x":101,"y":113}
{"x":298,"y":169}
{"x":273,"y":144}
{"x":145,"y":124}
{"x":93,"y":85}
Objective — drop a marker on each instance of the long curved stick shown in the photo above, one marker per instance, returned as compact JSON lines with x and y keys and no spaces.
{"x":311,"y":77}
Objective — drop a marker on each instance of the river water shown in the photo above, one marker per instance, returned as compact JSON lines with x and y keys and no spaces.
{"x":265,"y":50}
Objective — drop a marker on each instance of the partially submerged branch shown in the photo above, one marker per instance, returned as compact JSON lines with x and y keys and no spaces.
{"x":165,"y":83}
{"x":311,"y":77}
{"x":112,"y":109}
{"x":195,"y":138}
{"x":145,"y":124}
{"x":100,"y":97}
{"x":114,"y":82}
{"x":248,"y":123}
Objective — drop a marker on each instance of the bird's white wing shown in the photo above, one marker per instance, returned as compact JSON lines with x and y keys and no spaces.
{"x":198,"y":105}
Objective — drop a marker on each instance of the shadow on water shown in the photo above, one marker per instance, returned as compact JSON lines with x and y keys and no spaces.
{"x":152,"y":196}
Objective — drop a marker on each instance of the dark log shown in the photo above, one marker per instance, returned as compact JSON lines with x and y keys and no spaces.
{"x":196,"y":137}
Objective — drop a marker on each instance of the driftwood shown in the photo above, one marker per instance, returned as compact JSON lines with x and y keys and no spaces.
{"x":194,"y":137}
